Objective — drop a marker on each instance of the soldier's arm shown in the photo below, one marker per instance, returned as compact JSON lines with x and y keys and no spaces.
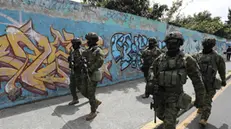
{"x":196,"y":77}
{"x":221,"y":67}
{"x":159,"y":52}
{"x":99,"y":60}
{"x":194,"y":56}
{"x":153,"y":71}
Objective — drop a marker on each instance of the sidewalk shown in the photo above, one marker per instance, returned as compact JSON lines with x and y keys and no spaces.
{"x":122,"y":108}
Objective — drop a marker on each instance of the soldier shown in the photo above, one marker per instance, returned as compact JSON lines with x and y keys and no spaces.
{"x":167,"y":76}
{"x":74,"y":64}
{"x":95,"y":58}
{"x":210,"y":62}
{"x":148,"y":56}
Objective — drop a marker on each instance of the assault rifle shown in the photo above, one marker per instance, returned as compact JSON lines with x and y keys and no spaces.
{"x":154,"y":104}
{"x":84,"y":65}
{"x":71,"y":61}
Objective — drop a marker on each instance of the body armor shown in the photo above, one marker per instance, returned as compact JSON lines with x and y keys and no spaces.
{"x":208,"y":68}
{"x":172,"y":72}
{"x":92,"y":55}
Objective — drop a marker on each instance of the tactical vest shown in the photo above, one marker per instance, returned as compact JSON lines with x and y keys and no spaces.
{"x":172,"y":72}
{"x":208,"y":67}
{"x":92,"y":57}
{"x":149,"y":56}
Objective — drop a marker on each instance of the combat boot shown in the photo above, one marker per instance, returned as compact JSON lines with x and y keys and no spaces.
{"x":199,"y":111}
{"x":98,"y":103}
{"x":73,"y":102}
{"x":91,"y":116}
{"x":203,"y":122}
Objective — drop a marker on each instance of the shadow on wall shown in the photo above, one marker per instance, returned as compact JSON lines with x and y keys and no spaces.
{"x":125,"y":87}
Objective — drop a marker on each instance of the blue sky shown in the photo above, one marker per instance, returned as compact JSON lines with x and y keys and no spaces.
{"x":216,"y":7}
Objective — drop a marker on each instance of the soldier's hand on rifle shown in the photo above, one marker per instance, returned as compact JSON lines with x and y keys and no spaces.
{"x":151,"y":87}
{"x":223,"y":83}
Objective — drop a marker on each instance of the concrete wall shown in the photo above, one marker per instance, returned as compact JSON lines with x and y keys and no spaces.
{"x":35,"y":41}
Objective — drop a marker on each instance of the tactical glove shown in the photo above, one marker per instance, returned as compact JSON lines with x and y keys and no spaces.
{"x":223,"y":83}
{"x":151,"y":88}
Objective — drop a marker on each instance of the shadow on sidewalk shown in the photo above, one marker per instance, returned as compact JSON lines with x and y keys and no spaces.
{"x":143,"y":100}
{"x":195,"y":125}
{"x":66,"y":109}
{"x":122,"y":86}
{"x":79,"y":123}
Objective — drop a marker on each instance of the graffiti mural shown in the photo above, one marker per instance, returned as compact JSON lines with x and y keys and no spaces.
{"x":126,"y":50}
{"x":29,"y":61}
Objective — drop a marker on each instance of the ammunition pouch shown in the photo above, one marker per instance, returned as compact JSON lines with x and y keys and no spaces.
{"x":96,"y":76}
{"x":184,"y":101}
{"x":172,"y":78}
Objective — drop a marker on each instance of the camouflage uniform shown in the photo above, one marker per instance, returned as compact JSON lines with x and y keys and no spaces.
{"x":95,"y":57}
{"x":167,"y":76}
{"x":210,"y":62}
{"x":148,"y":56}
{"x":75,"y":77}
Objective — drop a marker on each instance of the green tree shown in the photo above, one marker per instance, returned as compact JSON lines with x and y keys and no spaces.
{"x":174,"y":8}
{"x":202,"y":21}
{"x":136,"y":7}
{"x":157,"y":11}
{"x":229,"y":17}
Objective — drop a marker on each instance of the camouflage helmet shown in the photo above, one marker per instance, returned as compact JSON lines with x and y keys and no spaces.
{"x":153,"y":39}
{"x":92,"y":36}
{"x":209,"y":41}
{"x":76,"y":41}
{"x":174,"y":35}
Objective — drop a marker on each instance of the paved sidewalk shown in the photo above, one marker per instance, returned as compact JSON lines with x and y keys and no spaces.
{"x":122,"y":108}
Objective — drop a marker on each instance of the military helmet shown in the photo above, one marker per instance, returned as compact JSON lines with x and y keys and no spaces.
{"x":209,"y":41}
{"x":76,"y":41}
{"x":92,"y":36}
{"x":153,"y":39}
{"x":174,"y":35}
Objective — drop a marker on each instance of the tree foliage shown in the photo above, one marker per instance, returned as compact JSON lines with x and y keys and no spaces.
{"x":175,"y":7}
{"x":204,"y":22}
{"x":157,"y":11}
{"x":136,"y":7}
{"x":229,"y":18}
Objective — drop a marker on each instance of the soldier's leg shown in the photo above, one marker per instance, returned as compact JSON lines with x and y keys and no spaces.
{"x":73,"y":86}
{"x":146,"y":94}
{"x":170,"y":116}
{"x":92,"y":100}
{"x":83,"y":87}
{"x":207,"y":106}
{"x":160,"y":111}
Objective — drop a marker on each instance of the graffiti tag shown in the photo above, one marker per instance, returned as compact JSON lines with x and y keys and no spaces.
{"x":127,"y":50}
